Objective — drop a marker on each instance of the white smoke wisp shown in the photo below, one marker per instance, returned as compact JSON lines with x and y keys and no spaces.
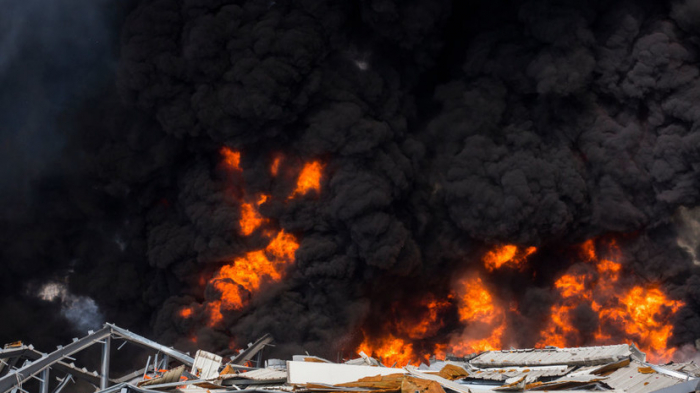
{"x":81,"y":311}
{"x":688,"y":225}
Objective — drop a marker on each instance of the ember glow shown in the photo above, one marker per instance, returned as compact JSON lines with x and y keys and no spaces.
{"x":507,"y":255}
{"x":309,"y":179}
{"x":186,"y":312}
{"x":275,"y":167}
{"x":641,"y":313}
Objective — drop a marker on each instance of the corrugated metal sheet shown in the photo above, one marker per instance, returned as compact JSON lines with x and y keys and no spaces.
{"x":688,"y":368}
{"x":630,"y":379}
{"x":206,"y":364}
{"x":501,"y":374}
{"x":587,"y":356}
{"x":689,"y":386}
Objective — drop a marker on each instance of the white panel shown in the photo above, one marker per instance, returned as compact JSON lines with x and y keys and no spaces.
{"x":332,"y":373}
{"x":206,"y":364}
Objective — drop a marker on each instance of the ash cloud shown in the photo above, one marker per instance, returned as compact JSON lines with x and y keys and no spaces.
{"x":445,"y":127}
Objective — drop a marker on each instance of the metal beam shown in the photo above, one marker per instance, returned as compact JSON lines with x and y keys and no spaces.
{"x":12,"y":352}
{"x":88,"y":376}
{"x":63,"y":383}
{"x":252,"y":349}
{"x":14,"y":378}
{"x":104,"y":371}
{"x":130,"y":376}
{"x":44,"y":387}
{"x":144,"y":342}
{"x":20,"y":375}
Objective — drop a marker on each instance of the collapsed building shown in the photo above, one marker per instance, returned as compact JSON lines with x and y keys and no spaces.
{"x":614,"y":368}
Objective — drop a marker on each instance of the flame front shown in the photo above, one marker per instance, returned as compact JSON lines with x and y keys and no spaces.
{"x":641,"y":313}
{"x":391,"y":350}
{"x":397,"y":345}
{"x":483,"y":318}
{"x":645,"y":316}
{"x":592,"y":287}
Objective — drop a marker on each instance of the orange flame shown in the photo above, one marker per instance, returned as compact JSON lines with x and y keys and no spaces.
{"x":484,"y":325}
{"x":430,"y":322}
{"x":250,"y":217}
{"x":232,"y":158}
{"x":397,"y":346}
{"x":644,"y":317}
{"x":309,"y":179}
{"x":186,"y":312}
{"x":215,"y":315}
{"x":570,"y":286}
{"x":642,"y":313}
{"x":476,"y":301}
{"x":238,"y":280}
{"x":484,"y":320}
{"x":390,"y":350}
{"x":507,"y":255}
{"x":275,"y":167}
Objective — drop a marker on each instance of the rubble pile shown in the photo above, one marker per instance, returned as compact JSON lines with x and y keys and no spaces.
{"x":613,"y":368}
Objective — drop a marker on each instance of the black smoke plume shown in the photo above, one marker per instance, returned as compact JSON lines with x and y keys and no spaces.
{"x":445,"y":127}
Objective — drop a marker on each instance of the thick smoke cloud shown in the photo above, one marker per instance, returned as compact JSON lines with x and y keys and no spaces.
{"x":444,"y":128}
{"x":53,"y":55}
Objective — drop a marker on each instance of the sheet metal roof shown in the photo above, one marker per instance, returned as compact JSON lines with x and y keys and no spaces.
{"x":689,"y":368}
{"x":635,"y":379}
{"x":501,"y":374}
{"x":584,"y":356}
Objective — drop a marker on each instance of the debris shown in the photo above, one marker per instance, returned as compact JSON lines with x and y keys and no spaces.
{"x":206,"y":365}
{"x":612,"y":369}
{"x":169,"y":376}
{"x":452,"y":372}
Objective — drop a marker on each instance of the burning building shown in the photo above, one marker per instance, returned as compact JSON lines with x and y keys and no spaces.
{"x":613,"y":368}
{"x":401,"y":178}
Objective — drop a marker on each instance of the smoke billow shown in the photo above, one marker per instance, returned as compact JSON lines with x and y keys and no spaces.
{"x":444,"y":128}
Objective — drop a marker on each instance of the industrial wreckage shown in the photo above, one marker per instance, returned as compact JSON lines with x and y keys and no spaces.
{"x":613,"y":368}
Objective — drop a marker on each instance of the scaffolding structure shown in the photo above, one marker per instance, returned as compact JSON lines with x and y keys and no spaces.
{"x":20,"y":363}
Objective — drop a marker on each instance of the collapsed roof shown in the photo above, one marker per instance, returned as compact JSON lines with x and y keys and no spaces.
{"x":614,"y":368}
